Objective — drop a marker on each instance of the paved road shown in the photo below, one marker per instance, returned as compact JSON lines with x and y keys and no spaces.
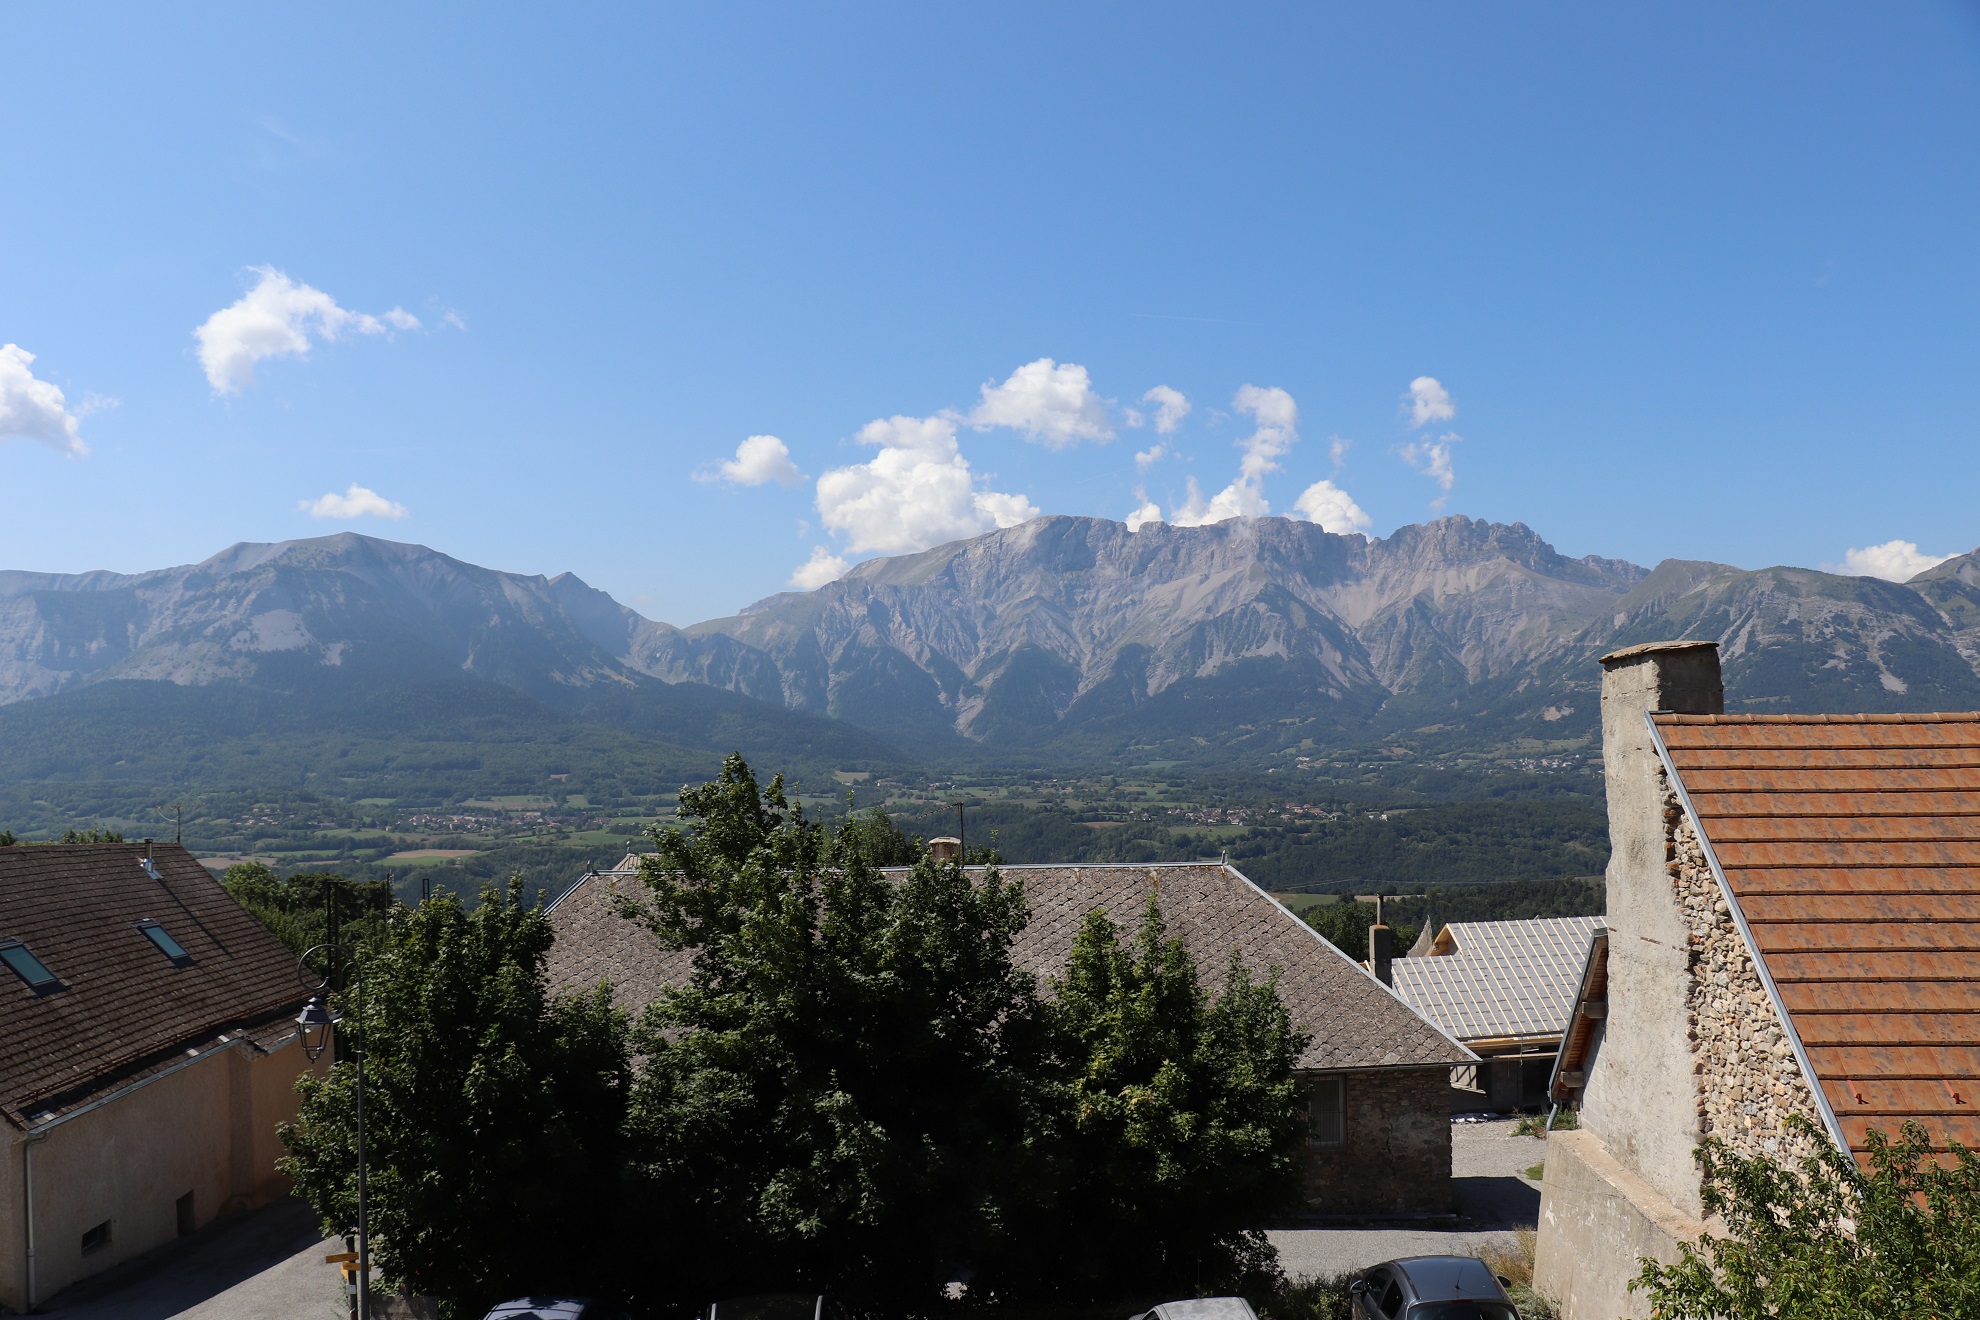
{"x":250,"y":1267}
{"x":1495,"y":1198}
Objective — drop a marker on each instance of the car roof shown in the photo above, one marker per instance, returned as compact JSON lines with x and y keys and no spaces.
{"x":539,"y":1308}
{"x":1449,"y":1278}
{"x":1207,"y":1308}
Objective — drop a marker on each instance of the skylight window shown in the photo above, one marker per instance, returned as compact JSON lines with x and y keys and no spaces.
{"x":28,"y":967}
{"x":168,"y":946}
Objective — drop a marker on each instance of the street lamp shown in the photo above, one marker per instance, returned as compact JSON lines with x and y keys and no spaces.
{"x":317,"y":1025}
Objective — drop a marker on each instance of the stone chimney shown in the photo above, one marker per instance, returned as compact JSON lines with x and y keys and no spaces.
{"x":1381,"y":952}
{"x":1640,"y":1097}
{"x":944,"y":849}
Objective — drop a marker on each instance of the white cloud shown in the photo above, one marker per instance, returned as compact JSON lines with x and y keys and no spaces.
{"x":32,"y":409}
{"x":1170,"y":408}
{"x":1429,"y":402}
{"x":1433,"y":460}
{"x":916,"y":492}
{"x":815,"y":572}
{"x":279,"y":318}
{"x":1893,"y":561}
{"x":759,"y":460}
{"x":1332,"y":508}
{"x":1148,"y":458}
{"x":1146,"y":512}
{"x":1337,"y":450}
{"x":1277,"y":417}
{"x":357,"y":502}
{"x":1045,"y":401}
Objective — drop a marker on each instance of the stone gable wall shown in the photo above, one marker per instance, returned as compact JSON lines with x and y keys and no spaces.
{"x":1748,"y":1080}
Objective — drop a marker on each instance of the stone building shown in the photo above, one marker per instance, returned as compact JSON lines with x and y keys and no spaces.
{"x":1791,"y":902}
{"x":1376,"y":1073}
{"x":149,"y":1053}
{"x":1503,"y":990}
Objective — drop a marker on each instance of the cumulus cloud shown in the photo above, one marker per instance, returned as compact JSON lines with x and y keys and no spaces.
{"x":1433,"y":459}
{"x":1893,"y":561}
{"x":279,"y":317}
{"x":357,"y":502}
{"x":759,"y":460}
{"x":1146,"y":512}
{"x":1046,"y":401}
{"x":1332,"y":508}
{"x":1148,"y":458}
{"x":1429,"y":402}
{"x":918,"y":491}
{"x":32,"y":409}
{"x":1337,"y":450}
{"x":1277,"y":419}
{"x":1170,"y":408}
{"x":815,"y":572}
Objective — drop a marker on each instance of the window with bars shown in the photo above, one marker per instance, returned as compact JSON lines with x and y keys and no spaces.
{"x":1326,"y":1112}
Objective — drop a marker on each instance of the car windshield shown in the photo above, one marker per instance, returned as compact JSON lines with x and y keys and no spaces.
{"x":1462,"y":1311}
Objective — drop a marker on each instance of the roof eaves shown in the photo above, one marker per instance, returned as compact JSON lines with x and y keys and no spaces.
{"x":1746,"y":935}
{"x":1335,"y":949}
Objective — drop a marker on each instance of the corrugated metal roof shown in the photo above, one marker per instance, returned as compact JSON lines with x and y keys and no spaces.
{"x":1852,"y":845}
{"x":1351,"y":1019}
{"x":1505,"y":978}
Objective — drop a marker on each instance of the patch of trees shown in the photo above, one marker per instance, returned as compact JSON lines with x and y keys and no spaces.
{"x":857,"y":1090}
{"x":1404,"y":850}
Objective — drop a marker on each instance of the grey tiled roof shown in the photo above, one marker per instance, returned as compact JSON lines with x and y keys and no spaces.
{"x":1505,"y":978}
{"x":1353,"y":1021}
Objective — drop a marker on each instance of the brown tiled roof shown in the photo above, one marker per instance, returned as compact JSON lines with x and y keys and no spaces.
{"x":1353,"y":1020}
{"x":1852,"y":846}
{"x":126,"y":1010}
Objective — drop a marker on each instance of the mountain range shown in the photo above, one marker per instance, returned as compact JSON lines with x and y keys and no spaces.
{"x":1064,"y":637}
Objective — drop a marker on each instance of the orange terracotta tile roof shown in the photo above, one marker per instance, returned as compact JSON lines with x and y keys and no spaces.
{"x":125,"y":1010}
{"x":1852,"y":846}
{"x":1351,"y":1019}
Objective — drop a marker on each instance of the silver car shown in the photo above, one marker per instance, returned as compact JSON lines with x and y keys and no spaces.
{"x":1432,"y":1288}
{"x":1201,"y":1308}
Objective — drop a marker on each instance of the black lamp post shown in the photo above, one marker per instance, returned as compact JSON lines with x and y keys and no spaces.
{"x":318,"y":1025}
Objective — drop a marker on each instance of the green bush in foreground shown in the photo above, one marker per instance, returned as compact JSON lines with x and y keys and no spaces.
{"x":1822,"y":1239}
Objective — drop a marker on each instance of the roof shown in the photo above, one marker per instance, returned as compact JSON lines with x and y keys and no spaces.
{"x":125,"y":1009}
{"x":1353,"y":1020}
{"x":1850,"y":845}
{"x":1435,"y":1278}
{"x":1501,"y":980}
{"x":1591,"y":1010}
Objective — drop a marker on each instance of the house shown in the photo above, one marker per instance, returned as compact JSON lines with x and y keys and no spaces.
{"x":1502,"y":989}
{"x":149,"y":1054}
{"x":1791,"y":905}
{"x":1375,"y":1072}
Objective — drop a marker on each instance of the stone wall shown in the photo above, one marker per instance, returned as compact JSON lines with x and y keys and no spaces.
{"x":1748,"y":1079}
{"x":1396,"y":1156}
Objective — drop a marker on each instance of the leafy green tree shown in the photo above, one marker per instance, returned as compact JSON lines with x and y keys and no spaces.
{"x":298,"y":908}
{"x":493,"y":1112}
{"x":1822,"y":1239}
{"x":7,"y":839}
{"x":842,"y":1096}
{"x":882,"y":842}
{"x":1184,"y":1126}
{"x":92,"y":836}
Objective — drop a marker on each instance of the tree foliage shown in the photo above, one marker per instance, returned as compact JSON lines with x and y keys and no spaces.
{"x":846,"y":1084}
{"x":1346,"y":923}
{"x":1822,"y":1239}
{"x":493,"y":1111}
{"x":303,"y":909}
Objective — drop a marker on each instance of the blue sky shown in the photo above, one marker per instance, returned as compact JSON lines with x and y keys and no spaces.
{"x":1682,"y":280}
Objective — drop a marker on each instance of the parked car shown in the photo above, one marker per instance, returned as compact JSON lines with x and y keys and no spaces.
{"x":780,"y":1306}
{"x":1432,"y":1288}
{"x":555,"y":1308}
{"x":1201,"y":1308}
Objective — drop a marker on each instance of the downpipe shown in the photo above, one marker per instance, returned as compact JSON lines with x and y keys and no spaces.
{"x":27,"y":1184}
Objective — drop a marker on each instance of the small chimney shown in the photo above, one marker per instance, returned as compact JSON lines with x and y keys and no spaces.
{"x":1381,"y":951}
{"x":147,"y":850}
{"x":944,"y":849}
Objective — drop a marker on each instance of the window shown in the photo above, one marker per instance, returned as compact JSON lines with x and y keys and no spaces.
{"x":1326,"y":1112}
{"x":168,"y":946}
{"x":96,"y":1237}
{"x":28,"y":967}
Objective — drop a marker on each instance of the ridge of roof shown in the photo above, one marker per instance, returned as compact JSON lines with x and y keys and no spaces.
{"x":1670,"y":719}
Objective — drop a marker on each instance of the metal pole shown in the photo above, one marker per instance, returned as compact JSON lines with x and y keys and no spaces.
{"x":962,"y":839}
